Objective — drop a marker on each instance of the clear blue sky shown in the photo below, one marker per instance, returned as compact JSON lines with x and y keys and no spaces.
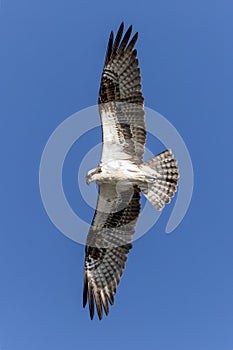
{"x":177,"y":290}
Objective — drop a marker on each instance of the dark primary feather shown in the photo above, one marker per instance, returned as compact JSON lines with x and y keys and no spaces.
{"x":125,"y":39}
{"x":118,"y":39}
{"x":109,"y":48}
{"x":108,"y":243}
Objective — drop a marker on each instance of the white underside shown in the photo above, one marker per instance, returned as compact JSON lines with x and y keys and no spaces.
{"x":121,"y":170}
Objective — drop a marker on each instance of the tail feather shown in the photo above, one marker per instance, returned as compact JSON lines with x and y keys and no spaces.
{"x":162,"y":178}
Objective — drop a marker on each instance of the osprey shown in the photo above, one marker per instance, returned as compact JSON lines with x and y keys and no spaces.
{"x":121,"y":174}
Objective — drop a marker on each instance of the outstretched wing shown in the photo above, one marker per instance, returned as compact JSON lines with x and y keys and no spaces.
{"x":108,"y":243}
{"x":121,"y":103}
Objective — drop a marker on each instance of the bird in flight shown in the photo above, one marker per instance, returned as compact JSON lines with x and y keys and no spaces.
{"x":121,"y":174}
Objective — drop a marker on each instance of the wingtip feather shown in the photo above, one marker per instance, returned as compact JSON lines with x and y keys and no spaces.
{"x":98,"y":304}
{"x":104,"y":302}
{"x":85,"y":287}
{"x":91,"y":301}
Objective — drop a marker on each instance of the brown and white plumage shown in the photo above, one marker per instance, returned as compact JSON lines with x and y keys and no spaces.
{"x":121,"y":175}
{"x":108,"y":243}
{"x":121,"y":103}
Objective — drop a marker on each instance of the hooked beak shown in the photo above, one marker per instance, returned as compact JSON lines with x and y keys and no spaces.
{"x":87,"y":180}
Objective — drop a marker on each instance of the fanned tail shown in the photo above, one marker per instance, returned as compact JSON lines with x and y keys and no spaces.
{"x":162,"y":178}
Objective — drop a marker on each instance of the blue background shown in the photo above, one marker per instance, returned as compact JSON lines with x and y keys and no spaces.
{"x":177,"y":290}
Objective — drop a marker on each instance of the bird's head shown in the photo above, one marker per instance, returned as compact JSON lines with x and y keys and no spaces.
{"x":93,"y":175}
